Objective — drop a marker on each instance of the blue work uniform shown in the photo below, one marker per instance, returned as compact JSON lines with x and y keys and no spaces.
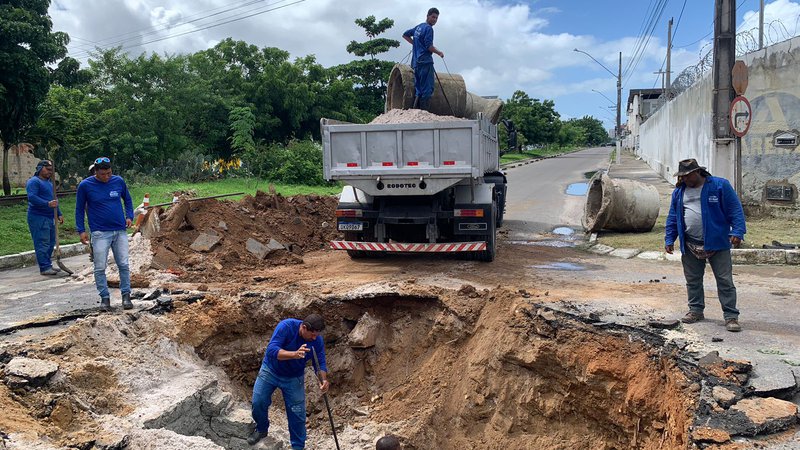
{"x":422,"y":59}
{"x":41,"y":222}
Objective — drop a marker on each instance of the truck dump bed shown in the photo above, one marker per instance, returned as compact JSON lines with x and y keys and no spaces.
{"x":439,"y":153}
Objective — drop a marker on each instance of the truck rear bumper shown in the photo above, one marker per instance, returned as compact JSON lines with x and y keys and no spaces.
{"x":396,"y":247}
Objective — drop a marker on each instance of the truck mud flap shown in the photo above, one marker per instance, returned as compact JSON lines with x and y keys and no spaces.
{"x":450,"y":247}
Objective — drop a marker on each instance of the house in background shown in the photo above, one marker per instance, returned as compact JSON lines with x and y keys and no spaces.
{"x":642,"y":103}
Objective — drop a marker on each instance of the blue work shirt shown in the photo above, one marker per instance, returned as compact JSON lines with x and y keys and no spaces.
{"x":423,"y":40}
{"x":40,"y":193}
{"x":287,"y":337}
{"x":102,"y":202}
{"x":723,"y":215}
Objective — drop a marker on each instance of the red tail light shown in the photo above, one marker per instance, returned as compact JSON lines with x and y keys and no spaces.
{"x":387,"y":164}
{"x":349,"y":213}
{"x":468,"y":213}
{"x":412,"y":163}
{"x":352,"y":164}
{"x":449,"y":163}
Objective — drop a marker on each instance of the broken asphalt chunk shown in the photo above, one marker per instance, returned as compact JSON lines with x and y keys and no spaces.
{"x":663,"y":324}
{"x":29,"y":372}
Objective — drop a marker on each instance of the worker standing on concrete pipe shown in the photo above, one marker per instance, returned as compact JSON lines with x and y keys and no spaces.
{"x":421,"y":38}
{"x":283,"y":367}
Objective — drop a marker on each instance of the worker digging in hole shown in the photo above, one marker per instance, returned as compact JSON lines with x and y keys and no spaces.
{"x":283,"y":367}
{"x":421,"y":38}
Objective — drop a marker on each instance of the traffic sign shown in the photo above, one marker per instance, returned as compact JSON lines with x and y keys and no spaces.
{"x":740,"y":116}
{"x":739,"y":77}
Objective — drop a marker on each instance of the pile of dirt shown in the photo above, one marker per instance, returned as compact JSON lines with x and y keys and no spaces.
{"x":212,"y":240}
{"x":411,"y":116}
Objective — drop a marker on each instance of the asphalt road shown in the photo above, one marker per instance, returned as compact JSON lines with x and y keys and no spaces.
{"x":538,"y":200}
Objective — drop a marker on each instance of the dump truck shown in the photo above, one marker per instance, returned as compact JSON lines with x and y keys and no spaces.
{"x":426,"y":187}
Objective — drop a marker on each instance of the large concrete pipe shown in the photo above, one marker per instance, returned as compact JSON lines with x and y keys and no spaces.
{"x":620,"y":205}
{"x":450,"y":96}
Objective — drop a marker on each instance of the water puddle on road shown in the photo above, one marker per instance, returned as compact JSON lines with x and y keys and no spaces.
{"x":564,"y":231}
{"x":560,"y":266}
{"x":578,"y":189}
{"x":545,"y":243}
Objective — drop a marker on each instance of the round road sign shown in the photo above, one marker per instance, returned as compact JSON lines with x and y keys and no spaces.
{"x":740,"y":115}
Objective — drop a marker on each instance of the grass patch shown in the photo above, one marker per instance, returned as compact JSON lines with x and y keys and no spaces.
{"x":532,"y":154}
{"x":14,"y":222}
{"x":759,"y":232}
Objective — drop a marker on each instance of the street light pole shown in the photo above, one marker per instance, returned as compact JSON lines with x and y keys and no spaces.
{"x":618,"y":76}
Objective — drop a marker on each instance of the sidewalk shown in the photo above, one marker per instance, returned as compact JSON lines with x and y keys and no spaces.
{"x":633,"y":168}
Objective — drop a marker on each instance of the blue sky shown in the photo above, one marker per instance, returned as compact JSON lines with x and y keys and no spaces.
{"x":499,"y":46}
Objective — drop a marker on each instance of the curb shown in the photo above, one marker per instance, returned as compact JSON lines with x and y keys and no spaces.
{"x":524,"y":162}
{"x":740,"y":256}
{"x":28,"y":258}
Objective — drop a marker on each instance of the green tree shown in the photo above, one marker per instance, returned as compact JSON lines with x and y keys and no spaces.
{"x":536,"y":120}
{"x":242,"y":124}
{"x":571,"y":133}
{"x":28,"y":44}
{"x":593,"y":129}
{"x":370,"y":75}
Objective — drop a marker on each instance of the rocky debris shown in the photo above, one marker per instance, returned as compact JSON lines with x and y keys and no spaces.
{"x":728,"y":370}
{"x":411,"y":116}
{"x":365,"y":332}
{"x":707,"y":435}
{"x":211,"y":413}
{"x":222,"y":226}
{"x":152,"y":295}
{"x":23,"y":372}
{"x":205,"y":242}
{"x":663,"y":324}
{"x":175,"y":216}
{"x":724,"y":396}
{"x":757,"y":415}
{"x":260,"y":250}
{"x":468,"y":290}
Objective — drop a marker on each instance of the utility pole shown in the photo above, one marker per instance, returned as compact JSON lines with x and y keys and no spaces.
{"x":724,"y":158}
{"x":669,"y":60}
{"x":619,"y":110}
{"x":761,"y":26}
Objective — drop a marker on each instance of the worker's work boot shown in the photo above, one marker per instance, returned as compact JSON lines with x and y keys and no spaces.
{"x":126,"y":301}
{"x":733,"y":325}
{"x":105,"y":304}
{"x":50,"y":271}
{"x":256,"y":436}
{"x":692,"y":317}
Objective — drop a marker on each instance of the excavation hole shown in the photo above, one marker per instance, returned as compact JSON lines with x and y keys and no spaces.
{"x":454,"y":374}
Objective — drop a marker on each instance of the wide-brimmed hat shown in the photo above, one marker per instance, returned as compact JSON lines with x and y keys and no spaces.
{"x":688,"y":166}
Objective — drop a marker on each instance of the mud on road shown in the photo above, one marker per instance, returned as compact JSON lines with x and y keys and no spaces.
{"x":445,"y":353}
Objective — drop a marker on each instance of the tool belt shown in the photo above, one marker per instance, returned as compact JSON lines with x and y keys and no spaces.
{"x":697,"y":248}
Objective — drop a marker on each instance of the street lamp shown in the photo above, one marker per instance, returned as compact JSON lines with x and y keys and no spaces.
{"x":618,"y":76}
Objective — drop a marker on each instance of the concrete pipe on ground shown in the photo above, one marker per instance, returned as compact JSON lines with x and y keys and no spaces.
{"x":620,"y":205}
{"x":450,"y":96}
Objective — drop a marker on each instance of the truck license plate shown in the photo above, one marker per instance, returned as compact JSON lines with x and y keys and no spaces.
{"x":351,"y":226}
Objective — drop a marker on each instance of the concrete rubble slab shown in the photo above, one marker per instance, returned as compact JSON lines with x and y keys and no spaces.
{"x":29,"y":372}
{"x":365,"y":332}
{"x":625,"y":253}
{"x":275,"y":245}
{"x":756,"y":415}
{"x":258,"y":249}
{"x":773,"y":380}
{"x":205,"y":242}
{"x":724,"y":396}
{"x":601,"y":249}
{"x":758,"y":256}
{"x":710,"y":435}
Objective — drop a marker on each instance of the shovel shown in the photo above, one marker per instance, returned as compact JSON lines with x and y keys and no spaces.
{"x":55,"y":221}
{"x":325,"y":397}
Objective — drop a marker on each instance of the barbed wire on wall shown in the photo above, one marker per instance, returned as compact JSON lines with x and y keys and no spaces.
{"x":746,"y":42}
